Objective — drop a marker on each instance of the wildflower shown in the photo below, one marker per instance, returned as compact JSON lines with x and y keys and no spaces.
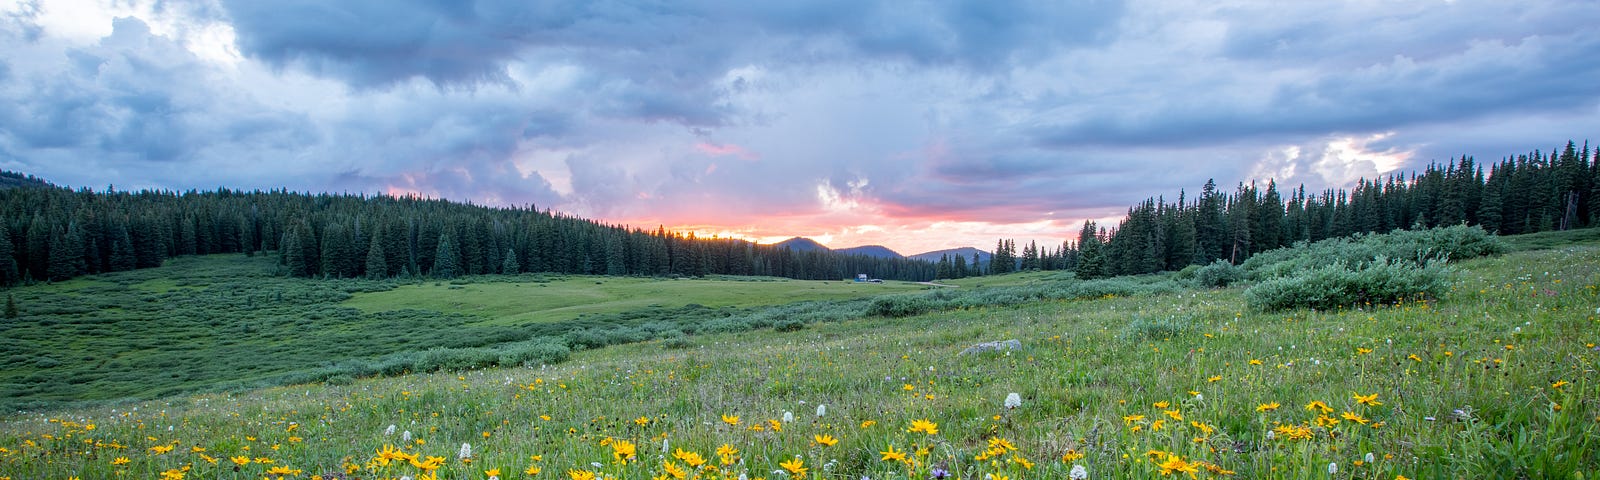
{"x":533,"y":470}
{"x":1174,"y":414}
{"x":868,"y":423}
{"x":1333,"y":468}
{"x":939,"y":472}
{"x":1560,"y":383}
{"x":1017,"y":459}
{"x":641,"y":421}
{"x":795,"y":466}
{"x":992,"y":476}
{"x":1129,"y":419}
{"x":1317,"y":405}
{"x":389,"y":431}
{"x":1001,"y":444}
{"x":580,"y":475}
{"x":1078,"y":472}
{"x":892,"y":455}
{"x":692,"y":458}
{"x":1162,"y":404}
{"x":173,"y":474}
{"x":1371,"y":400}
{"x":1213,"y":378}
{"x":405,"y":437}
{"x":160,"y":449}
{"x":1255,"y":362}
{"x":732,"y":420}
{"x":1267,"y":407}
{"x":674,"y":470}
{"x":825,"y":440}
{"x":1174,"y":463}
{"x":1013,"y":400}
{"x":121,"y":461}
{"x":622,"y":451}
{"x":243,"y":460}
{"x":924,"y":426}
{"x":788,"y":417}
{"x":1072,"y":455}
{"x":776,"y":425}
{"x":1354,"y":417}
{"x":465,"y":453}
{"x":822,"y":410}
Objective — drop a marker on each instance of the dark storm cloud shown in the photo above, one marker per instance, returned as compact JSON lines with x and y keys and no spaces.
{"x":1003,"y":111}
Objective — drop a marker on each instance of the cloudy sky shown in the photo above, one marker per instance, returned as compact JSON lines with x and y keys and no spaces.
{"x":916,"y":125}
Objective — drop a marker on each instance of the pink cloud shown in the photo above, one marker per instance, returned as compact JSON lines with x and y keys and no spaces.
{"x":718,"y":150}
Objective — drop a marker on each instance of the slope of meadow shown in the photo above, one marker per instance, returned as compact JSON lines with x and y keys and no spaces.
{"x":1496,"y":379}
{"x":224,"y":322}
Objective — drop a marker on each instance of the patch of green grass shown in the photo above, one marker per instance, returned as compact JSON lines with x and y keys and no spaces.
{"x":1494,"y":380}
{"x":529,"y":299}
{"x":1549,"y":240}
{"x":230,"y":322}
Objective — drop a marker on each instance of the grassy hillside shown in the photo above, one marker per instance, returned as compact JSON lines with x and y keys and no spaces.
{"x":1495,"y":380}
{"x":501,"y":302}
{"x":231,"y":321}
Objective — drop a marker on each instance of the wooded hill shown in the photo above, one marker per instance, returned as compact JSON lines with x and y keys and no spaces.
{"x":56,"y":234}
{"x":1533,"y":192}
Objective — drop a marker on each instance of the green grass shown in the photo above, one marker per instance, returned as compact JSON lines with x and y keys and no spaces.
{"x":527,"y":299}
{"x":1548,"y":240}
{"x":230,"y":322}
{"x":1494,"y":380}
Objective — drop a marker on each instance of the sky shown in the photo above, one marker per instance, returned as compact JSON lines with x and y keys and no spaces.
{"x":914,"y":125}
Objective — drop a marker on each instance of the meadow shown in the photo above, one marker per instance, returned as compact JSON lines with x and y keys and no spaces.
{"x":1493,"y":378}
{"x":230,"y":322}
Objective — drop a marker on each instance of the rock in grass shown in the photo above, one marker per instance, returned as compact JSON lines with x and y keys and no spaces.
{"x":1012,"y":344}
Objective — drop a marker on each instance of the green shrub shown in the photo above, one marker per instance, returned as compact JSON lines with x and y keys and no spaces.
{"x":1218,"y":274}
{"x":789,"y":325}
{"x":532,"y":353}
{"x":1342,"y":285}
{"x":1143,"y":329}
{"x":1415,"y":247}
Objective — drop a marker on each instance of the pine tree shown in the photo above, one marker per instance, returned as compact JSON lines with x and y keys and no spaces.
{"x":66,"y":255}
{"x":445,"y":263}
{"x":1091,"y":260}
{"x":9,"y":273}
{"x":509,"y":265}
{"x":377,"y":259}
{"x":11,"y":306}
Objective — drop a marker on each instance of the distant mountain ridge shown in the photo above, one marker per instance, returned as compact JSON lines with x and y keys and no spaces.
{"x":878,"y":251}
{"x":963,"y":252}
{"x":803,"y":244}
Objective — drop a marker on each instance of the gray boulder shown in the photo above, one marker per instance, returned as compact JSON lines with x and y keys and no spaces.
{"x":1012,"y":344}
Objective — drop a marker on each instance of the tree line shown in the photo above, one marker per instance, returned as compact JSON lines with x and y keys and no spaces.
{"x":50,"y":234}
{"x":1527,"y":193}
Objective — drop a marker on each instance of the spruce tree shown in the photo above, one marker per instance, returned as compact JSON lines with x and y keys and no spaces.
{"x":9,"y":273}
{"x":11,"y":306}
{"x":377,"y":261}
{"x":509,"y":265}
{"x":445,"y":259}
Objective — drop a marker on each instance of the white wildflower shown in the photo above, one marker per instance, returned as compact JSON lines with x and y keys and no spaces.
{"x":1078,"y":472}
{"x":1271,"y":435}
{"x":1333,"y":468}
{"x":788,"y":417}
{"x":466,"y":451}
{"x":1013,"y":400}
{"x":1369,"y":457}
{"x":405,"y":437}
{"x":822,"y":410}
{"x":389,"y":431}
